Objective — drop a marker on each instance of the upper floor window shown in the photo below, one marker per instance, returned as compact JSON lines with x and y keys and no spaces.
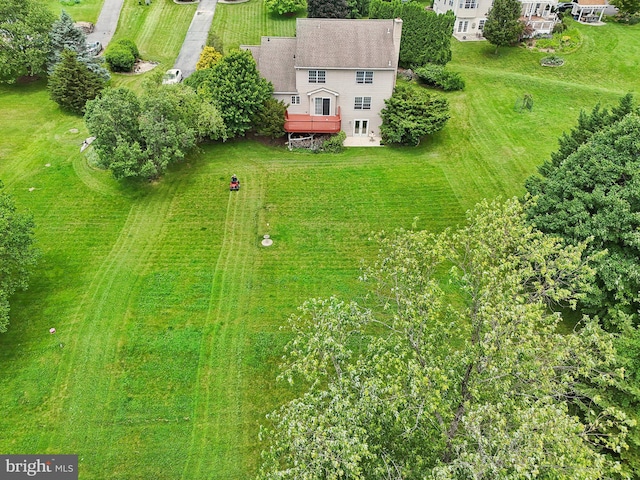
{"x":364,"y":76}
{"x":468,"y":4}
{"x":362,"y":103}
{"x":295,"y":99}
{"x":317,"y":76}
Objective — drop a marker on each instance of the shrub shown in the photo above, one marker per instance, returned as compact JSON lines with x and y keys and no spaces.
{"x":130,"y":44}
{"x":119,"y":58}
{"x":335,"y":144}
{"x":121,"y":55}
{"x":439,"y":76}
{"x":208,"y":58}
{"x":410,"y":114}
{"x":269,"y":121}
{"x":213,"y":40}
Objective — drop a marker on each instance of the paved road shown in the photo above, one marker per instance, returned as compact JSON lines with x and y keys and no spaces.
{"x":107,"y":22}
{"x":196,"y":37}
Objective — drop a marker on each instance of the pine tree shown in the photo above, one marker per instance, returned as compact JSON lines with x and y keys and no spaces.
{"x":72,"y":83}
{"x":66,"y":36}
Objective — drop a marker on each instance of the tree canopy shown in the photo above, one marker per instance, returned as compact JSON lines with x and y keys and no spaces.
{"x":235,"y":86}
{"x":284,"y":6}
{"x":593,"y":194}
{"x":327,"y":9}
{"x":588,"y":192}
{"x":141,"y":137}
{"x":426,"y":36}
{"x":25,"y":43}
{"x":17,"y":253}
{"x":72,"y":84}
{"x":412,"y":113}
{"x":627,"y":7}
{"x":455,"y":376}
{"x":503,"y":26}
{"x":66,"y":36}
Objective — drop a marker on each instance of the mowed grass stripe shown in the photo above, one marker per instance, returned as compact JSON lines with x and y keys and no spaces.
{"x":217,"y":415}
{"x":97,"y":324}
{"x":244,"y":24}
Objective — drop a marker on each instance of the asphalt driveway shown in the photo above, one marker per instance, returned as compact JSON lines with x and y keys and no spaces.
{"x":107,"y":22}
{"x":196,"y":37}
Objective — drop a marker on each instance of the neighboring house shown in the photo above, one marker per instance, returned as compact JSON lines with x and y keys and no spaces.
{"x":335,"y":74}
{"x":471,"y":16}
{"x":589,"y":11}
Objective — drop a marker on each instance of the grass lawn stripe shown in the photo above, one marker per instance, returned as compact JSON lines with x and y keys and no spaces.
{"x":220,"y":379}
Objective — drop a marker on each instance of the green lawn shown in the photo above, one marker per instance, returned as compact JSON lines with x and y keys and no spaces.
{"x":166,"y":307}
{"x":84,"y":10}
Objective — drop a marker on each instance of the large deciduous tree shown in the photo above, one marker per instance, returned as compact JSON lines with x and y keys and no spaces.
{"x":24,"y":38}
{"x":503,"y":26}
{"x":412,"y":113}
{"x":72,"y":84}
{"x":142,"y":137}
{"x":17,"y":253}
{"x":460,"y":372}
{"x":235,"y":86}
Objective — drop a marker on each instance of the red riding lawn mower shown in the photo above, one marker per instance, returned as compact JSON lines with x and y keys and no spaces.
{"x":234,"y":185}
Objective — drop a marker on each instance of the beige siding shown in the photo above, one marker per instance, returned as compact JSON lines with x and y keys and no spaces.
{"x":344,"y":82}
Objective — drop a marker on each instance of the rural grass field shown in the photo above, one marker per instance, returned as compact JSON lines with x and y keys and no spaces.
{"x":167,"y":308}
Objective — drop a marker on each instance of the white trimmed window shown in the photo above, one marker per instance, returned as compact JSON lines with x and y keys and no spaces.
{"x":317,"y":76}
{"x":463,"y":26}
{"x":468,"y":4}
{"x":364,"y":76}
{"x":362,"y":103}
{"x":295,"y":99}
{"x":481,"y":25}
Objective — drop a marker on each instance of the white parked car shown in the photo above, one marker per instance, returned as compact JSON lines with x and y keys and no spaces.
{"x":172,"y":76}
{"x":94,"y":48}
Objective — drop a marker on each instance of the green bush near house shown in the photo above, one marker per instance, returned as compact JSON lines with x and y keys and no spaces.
{"x":439,"y":76}
{"x":121,"y":55}
{"x":335,"y":144}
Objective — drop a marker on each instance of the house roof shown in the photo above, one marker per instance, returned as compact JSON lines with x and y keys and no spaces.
{"x":344,"y":43}
{"x":275,"y":58}
{"x":327,"y":43}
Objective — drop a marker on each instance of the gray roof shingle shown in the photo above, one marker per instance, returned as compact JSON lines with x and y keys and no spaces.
{"x":344,"y":43}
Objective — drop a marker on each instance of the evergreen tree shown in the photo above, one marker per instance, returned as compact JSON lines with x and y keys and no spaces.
{"x":66,"y":36}
{"x":410,"y":114}
{"x":71,"y":83}
{"x":503,"y":26}
{"x":426,"y":36}
{"x":327,"y":9}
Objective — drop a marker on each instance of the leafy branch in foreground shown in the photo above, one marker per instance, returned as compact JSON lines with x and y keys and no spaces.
{"x":466,"y":376}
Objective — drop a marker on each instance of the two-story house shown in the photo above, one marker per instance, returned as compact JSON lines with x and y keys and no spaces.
{"x":538,"y":15}
{"x":335,"y":74}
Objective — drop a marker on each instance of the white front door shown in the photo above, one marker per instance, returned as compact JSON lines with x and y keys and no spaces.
{"x":360,"y":128}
